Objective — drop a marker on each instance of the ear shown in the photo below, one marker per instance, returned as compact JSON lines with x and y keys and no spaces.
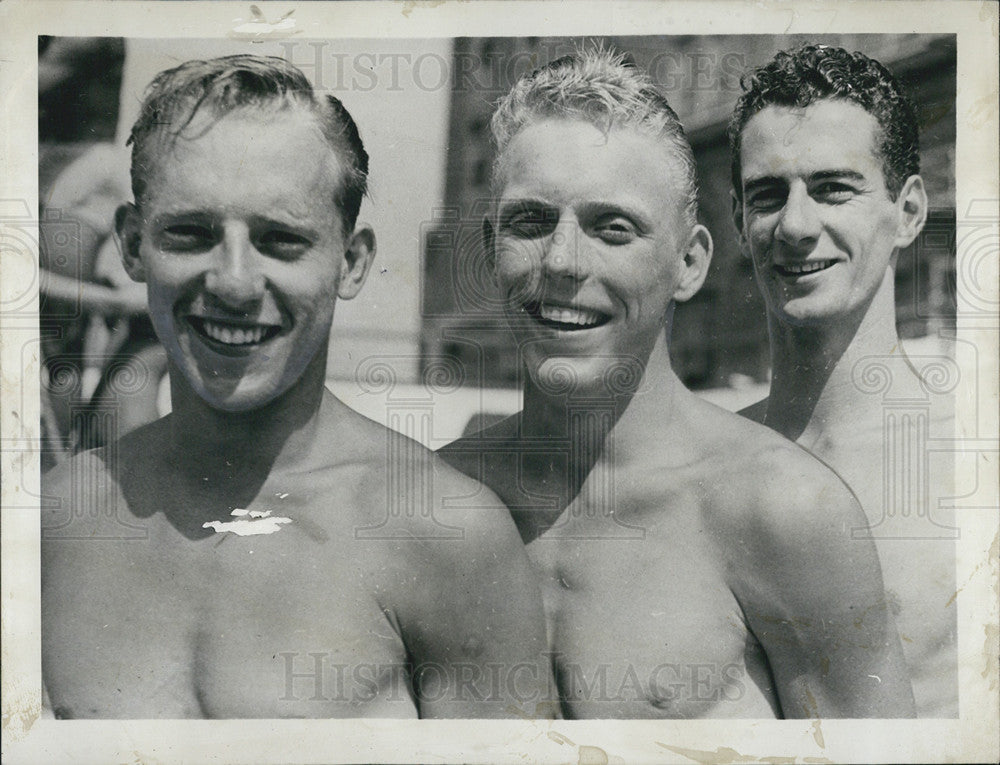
{"x":357,"y":261}
{"x":694,"y":268}
{"x":737,"y":210}
{"x":128,"y":228}
{"x":911,"y":207}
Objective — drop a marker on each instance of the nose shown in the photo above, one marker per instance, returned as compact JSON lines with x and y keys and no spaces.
{"x":799,"y":224}
{"x":235,"y":277}
{"x":563,"y":255}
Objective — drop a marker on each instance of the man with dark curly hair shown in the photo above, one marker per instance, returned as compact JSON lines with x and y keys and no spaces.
{"x":827,"y":191}
{"x":265,"y":551}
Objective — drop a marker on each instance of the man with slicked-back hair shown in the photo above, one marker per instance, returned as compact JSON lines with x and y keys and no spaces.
{"x":250,"y":555}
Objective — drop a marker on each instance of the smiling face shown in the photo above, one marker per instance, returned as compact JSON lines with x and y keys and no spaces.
{"x":242,"y":249}
{"x":591,"y":246}
{"x":816,"y":217}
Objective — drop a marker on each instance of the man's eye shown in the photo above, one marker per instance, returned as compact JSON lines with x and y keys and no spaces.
{"x":767,"y":199}
{"x":834,"y":192}
{"x":616,"y":231}
{"x":529,"y":224}
{"x":187,"y":237}
{"x":283,"y":243}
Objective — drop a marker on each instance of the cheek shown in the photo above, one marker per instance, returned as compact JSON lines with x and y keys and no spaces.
{"x":318,"y":310}
{"x":517,"y":263}
{"x":161,"y":289}
{"x":655,"y":293}
{"x":307,"y":287}
{"x":759,"y":234}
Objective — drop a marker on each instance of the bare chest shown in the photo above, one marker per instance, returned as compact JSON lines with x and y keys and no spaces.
{"x":902,"y":482}
{"x":271,"y":625}
{"x":647,"y":628}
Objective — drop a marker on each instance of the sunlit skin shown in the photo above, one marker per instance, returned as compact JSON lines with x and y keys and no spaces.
{"x":692,"y":564}
{"x":590,"y":244}
{"x":814,"y":197}
{"x":244,"y":254}
{"x":268,"y":259}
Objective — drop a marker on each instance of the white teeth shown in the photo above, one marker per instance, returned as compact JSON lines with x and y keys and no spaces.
{"x":229,"y":336}
{"x":580,"y":317}
{"x":807,"y":268}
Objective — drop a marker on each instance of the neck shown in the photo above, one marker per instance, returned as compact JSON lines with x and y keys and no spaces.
{"x":813,"y":392}
{"x":590,"y":419}
{"x":211,"y":441}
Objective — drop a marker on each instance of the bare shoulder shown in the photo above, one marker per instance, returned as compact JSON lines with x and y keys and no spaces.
{"x":85,"y":491}
{"x":94,"y":529}
{"x":440,"y":542}
{"x":403,"y":483}
{"x":75,"y":494}
{"x":767,"y":482}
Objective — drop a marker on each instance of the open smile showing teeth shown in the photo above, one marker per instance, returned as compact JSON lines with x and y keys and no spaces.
{"x":799,"y":269}
{"x":565,"y":318}
{"x":233,"y":334}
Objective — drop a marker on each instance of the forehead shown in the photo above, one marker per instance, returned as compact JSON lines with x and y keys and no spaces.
{"x":832,"y":134}
{"x":565,"y":160}
{"x":247,"y":158}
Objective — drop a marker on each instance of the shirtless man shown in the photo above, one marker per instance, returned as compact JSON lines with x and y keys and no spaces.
{"x":827,"y":190}
{"x":265,"y":578}
{"x":693,"y":564}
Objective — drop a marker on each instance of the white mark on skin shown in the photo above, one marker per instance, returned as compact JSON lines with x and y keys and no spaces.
{"x":876,"y":677}
{"x":282,"y":495}
{"x":261,"y":522}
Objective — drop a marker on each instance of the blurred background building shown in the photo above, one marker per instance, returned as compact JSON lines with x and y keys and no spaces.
{"x":719,"y":337}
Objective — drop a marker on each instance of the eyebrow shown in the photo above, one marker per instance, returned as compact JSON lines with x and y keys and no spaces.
{"x":822,"y":175}
{"x":181,"y":214}
{"x":845,"y":174}
{"x":511,"y":206}
{"x":208,"y":217}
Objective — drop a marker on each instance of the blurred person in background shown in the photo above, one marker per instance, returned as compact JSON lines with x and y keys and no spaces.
{"x":98,"y":346}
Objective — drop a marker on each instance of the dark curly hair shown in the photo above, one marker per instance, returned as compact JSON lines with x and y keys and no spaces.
{"x":813,"y":72}
{"x":223,"y":85}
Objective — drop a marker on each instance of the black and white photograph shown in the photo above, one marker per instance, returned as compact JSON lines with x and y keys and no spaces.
{"x":607,"y":382}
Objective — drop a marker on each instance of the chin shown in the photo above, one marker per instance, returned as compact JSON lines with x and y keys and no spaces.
{"x":816,"y":316}
{"x":239,"y":397}
{"x":580,"y":377}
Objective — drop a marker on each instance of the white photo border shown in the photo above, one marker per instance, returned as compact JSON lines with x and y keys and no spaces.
{"x":972,"y":737}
